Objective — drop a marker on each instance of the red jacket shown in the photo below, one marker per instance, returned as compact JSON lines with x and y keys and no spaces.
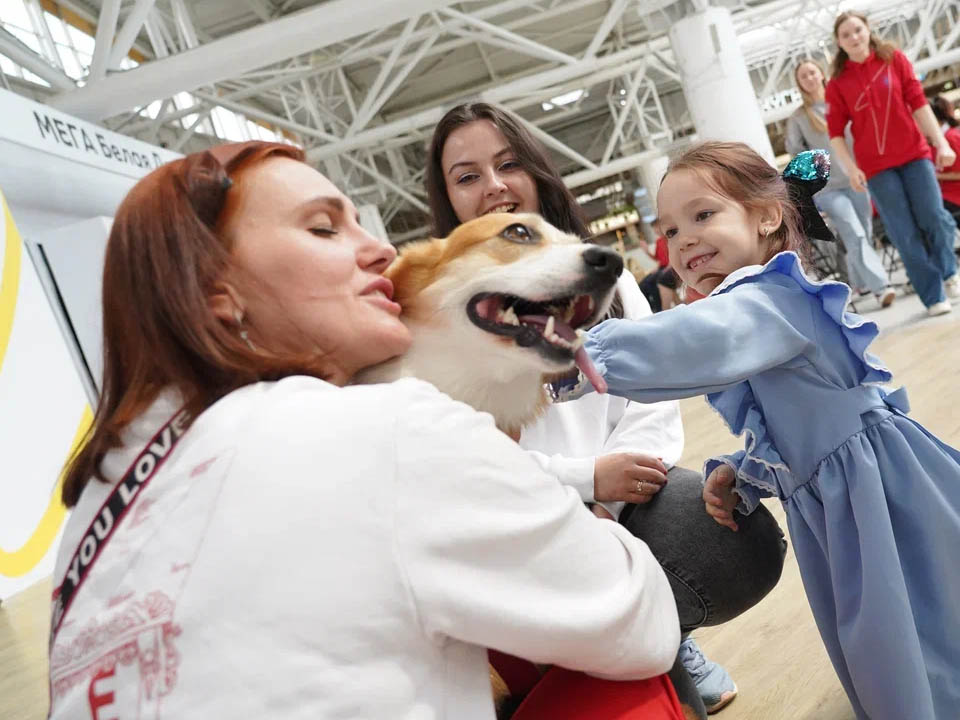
{"x":879,"y":98}
{"x":951,"y":188}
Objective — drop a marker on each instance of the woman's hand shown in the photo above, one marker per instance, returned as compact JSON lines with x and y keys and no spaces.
{"x":945,"y":155}
{"x":601,"y":512}
{"x":858,"y":180}
{"x":719,"y":497}
{"x":628,"y":477}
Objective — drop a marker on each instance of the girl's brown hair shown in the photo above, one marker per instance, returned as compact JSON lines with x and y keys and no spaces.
{"x":737,"y":172}
{"x":882,"y":48}
{"x":817,"y":121}
{"x":943,"y":110}
{"x":165,"y":257}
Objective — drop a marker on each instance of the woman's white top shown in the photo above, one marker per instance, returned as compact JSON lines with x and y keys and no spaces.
{"x":311,"y":551}
{"x":570,"y":435}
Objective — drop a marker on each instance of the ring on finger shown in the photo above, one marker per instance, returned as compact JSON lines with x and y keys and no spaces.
{"x":640,"y":487}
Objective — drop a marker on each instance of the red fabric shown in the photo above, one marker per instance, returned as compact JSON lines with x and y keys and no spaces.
{"x":568,"y":695}
{"x":662,"y":253}
{"x":519,"y":675}
{"x":951,"y":188}
{"x":879,"y":99}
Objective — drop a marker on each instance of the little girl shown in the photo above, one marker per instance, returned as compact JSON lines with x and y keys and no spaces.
{"x":872,"y":498}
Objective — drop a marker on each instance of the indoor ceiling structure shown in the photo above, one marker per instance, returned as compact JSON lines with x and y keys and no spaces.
{"x":361,"y":83}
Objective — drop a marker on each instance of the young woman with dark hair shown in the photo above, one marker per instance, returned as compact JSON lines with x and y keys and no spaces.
{"x":875,"y":89}
{"x":252,"y":536}
{"x":611,"y":450}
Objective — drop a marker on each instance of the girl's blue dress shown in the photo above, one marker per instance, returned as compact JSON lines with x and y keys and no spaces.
{"x":872,"y":499}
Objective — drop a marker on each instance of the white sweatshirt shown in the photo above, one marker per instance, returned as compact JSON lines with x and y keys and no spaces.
{"x":309,"y":551}
{"x":570,"y":435}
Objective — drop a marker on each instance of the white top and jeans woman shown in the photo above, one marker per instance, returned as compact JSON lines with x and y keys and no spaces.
{"x":850,"y":212}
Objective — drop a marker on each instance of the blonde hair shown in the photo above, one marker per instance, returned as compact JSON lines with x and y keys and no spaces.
{"x":882,"y":48}
{"x":817,"y":121}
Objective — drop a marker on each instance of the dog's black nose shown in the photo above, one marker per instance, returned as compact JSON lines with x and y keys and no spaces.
{"x":604,"y":262}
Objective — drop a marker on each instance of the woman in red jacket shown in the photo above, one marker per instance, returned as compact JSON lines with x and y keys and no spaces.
{"x":874,"y":87}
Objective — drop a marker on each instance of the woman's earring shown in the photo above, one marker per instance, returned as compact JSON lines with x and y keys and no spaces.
{"x":238,"y":316}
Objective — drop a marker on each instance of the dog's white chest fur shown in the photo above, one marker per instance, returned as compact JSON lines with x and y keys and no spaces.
{"x":453,"y":361}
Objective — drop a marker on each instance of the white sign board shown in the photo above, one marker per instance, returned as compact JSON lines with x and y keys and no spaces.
{"x":55,"y":171}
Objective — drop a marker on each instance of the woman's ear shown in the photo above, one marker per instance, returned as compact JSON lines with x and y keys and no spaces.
{"x":226,"y":305}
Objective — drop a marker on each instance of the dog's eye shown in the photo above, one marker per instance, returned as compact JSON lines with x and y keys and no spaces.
{"x":519,"y":234}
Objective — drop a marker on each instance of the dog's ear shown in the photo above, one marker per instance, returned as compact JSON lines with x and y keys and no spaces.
{"x":414,"y":269}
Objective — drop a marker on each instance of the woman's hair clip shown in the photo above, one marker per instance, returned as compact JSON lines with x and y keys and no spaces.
{"x":227,"y":183}
{"x":806,"y":175}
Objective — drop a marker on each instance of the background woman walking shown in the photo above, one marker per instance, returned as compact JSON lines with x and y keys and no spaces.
{"x":874,"y":87}
{"x":849,"y":211}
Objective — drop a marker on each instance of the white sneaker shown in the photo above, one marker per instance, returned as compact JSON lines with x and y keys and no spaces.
{"x":952,"y":286}
{"x":940,"y":308}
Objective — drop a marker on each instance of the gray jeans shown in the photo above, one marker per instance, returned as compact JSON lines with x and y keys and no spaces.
{"x":850,"y":213}
{"x":715,"y":573}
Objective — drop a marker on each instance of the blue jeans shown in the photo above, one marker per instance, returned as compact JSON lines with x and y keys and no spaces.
{"x":911,"y":207}
{"x":850,"y":214}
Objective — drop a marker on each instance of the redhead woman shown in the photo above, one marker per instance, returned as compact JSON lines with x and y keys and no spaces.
{"x":616,"y":453}
{"x":252,"y":536}
{"x":875,"y":89}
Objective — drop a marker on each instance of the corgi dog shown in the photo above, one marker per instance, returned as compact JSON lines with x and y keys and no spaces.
{"x":495,"y":307}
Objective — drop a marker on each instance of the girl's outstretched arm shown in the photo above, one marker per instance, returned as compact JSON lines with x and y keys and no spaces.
{"x":707,"y":346}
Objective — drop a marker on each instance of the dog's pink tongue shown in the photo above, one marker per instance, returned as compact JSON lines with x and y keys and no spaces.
{"x":580,"y":357}
{"x":589,"y":370}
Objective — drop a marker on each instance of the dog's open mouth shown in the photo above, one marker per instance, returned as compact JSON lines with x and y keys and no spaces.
{"x":551,"y":325}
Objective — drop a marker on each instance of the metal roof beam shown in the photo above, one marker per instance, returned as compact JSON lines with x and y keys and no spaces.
{"x":26,"y":58}
{"x":325,"y":24}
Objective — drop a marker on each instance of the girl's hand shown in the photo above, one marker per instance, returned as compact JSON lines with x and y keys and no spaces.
{"x":628,"y":477}
{"x":719,"y":497}
{"x":945,"y":155}
{"x":858,"y":180}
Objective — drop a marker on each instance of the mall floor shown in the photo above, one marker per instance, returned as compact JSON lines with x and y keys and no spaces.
{"x":773,"y":651}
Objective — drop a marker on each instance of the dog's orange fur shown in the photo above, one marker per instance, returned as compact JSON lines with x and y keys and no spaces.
{"x":416,"y":267}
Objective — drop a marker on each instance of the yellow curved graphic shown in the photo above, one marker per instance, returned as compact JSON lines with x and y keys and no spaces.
{"x":9,"y":280}
{"x":20,"y":562}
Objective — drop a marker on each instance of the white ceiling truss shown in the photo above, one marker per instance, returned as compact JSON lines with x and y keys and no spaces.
{"x":361,"y":83}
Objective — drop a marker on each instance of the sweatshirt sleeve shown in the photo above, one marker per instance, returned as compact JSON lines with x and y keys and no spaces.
{"x":498,"y":554}
{"x":795,"y":142}
{"x":910,"y":87}
{"x":706,"y":347}
{"x":654,"y":428}
{"x":576,"y":472}
{"x":838,"y":114}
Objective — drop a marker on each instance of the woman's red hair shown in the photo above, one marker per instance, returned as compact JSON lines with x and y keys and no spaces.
{"x":164,"y":259}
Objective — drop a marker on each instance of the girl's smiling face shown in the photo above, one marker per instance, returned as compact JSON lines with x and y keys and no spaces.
{"x":708,"y":235}
{"x":853,"y":37}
